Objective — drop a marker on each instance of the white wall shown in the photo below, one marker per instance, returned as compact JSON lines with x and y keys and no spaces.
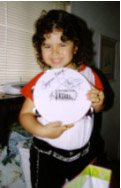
{"x":104,"y":18}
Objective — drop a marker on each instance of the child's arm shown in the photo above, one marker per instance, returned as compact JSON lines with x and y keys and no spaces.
{"x":97,"y":98}
{"x":28,"y":121}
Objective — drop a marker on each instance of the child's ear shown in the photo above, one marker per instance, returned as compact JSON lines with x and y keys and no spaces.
{"x":75,"y":49}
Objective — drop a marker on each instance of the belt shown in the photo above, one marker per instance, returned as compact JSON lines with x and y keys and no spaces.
{"x":59,"y":156}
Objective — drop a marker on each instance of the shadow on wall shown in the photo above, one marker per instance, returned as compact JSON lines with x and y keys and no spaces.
{"x":97,"y":140}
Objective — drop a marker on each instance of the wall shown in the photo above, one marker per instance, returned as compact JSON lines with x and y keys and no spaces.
{"x":104,"y":18}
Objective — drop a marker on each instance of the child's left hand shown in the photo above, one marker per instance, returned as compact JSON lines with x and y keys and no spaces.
{"x":96,"y":97}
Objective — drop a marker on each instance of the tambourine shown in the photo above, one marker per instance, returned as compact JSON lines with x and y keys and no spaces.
{"x":60,"y":95}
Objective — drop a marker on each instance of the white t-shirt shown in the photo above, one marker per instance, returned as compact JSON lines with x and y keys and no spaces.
{"x":79,"y":135}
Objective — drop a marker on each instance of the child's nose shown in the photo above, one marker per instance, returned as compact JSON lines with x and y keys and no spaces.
{"x":55,"y":51}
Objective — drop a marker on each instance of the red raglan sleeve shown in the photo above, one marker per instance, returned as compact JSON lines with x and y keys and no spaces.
{"x":98,"y":83}
{"x":27,"y":89}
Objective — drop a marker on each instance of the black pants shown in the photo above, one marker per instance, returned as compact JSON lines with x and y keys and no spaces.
{"x":49,"y":170}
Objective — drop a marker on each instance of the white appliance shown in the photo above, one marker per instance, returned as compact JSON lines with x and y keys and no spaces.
{"x":13,"y":88}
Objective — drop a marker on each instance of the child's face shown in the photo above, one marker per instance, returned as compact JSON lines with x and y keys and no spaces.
{"x":55,"y":52}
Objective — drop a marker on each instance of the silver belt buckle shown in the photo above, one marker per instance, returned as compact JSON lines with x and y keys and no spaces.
{"x":66,"y":159}
{"x":75,"y":157}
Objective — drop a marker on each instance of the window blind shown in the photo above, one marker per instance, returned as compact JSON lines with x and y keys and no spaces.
{"x":17,"y":57}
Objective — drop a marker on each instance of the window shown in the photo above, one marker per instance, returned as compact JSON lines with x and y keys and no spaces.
{"x":17,"y":57}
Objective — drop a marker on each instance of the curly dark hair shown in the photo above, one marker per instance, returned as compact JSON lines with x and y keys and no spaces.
{"x":73,"y":28}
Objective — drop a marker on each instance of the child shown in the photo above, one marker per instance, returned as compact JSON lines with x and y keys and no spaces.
{"x":61,"y":40}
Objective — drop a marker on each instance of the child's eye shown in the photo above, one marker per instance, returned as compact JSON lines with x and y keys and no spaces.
{"x":62,"y":45}
{"x":47,"y":46}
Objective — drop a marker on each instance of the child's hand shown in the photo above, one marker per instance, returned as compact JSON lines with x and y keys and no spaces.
{"x":97,"y":97}
{"x":55,"y":129}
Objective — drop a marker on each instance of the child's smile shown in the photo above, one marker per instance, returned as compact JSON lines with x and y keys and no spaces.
{"x":56,"y":61}
{"x":55,"y":52}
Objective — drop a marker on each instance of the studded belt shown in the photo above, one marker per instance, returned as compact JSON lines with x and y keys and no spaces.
{"x":72,"y":155}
